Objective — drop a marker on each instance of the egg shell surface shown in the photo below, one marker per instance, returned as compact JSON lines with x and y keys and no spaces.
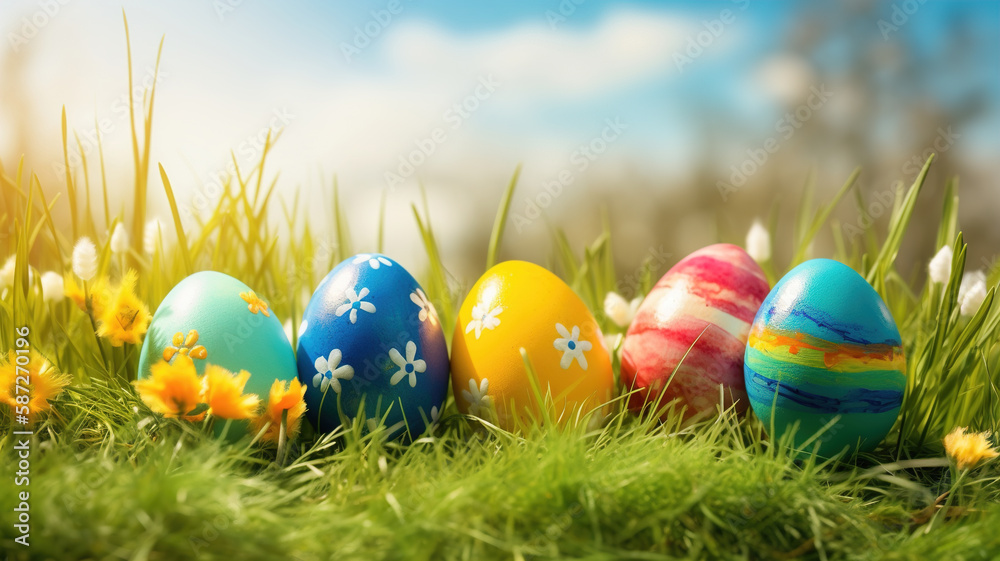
{"x":695,"y":321}
{"x":518,"y":304}
{"x":208,"y":317}
{"x":824,"y":349}
{"x":370,"y":333}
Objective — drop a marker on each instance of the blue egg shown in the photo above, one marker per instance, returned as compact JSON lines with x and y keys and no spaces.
{"x":370,"y":335}
{"x":824,"y":354}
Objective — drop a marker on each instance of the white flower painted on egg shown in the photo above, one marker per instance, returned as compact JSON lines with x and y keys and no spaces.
{"x":329,"y":372}
{"x":355,"y":302}
{"x":480,"y":403}
{"x":483,"y":319}
{"x":409,"y":366}
{"x":571,"y":346}
{"x":375,"y":261}
{"x":427,"y":311}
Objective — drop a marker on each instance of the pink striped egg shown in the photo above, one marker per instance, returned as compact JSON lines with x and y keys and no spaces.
{"x":701,"y":308}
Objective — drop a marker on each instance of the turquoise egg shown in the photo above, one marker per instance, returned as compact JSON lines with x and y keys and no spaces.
{"x":210,"y":317}
{"x":824,"y":354}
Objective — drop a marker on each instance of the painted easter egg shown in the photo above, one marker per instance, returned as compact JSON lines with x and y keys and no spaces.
{"x":518,"y":305}
{"x":689,"y":335}
{"x":216,"y":319}
{"x":824,"y":351}
{"x":370,"y":336}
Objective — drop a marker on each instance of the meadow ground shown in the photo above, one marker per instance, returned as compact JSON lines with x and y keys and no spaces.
{"x":109,"y":479}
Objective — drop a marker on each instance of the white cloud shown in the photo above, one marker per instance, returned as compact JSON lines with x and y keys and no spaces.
{"x":623,"y":48}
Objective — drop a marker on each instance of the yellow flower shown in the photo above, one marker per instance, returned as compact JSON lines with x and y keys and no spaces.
{"x":282,"y":398}
{"x":173,"y":389}
{"x":126,"y":319}
{"x":99,"y":293}
{"x":968,"y":449}
{"x":44,"y":383}
{"x":185,"y":346}
{"x":224,"y":394}
{"x":254,"y":303}
{"x":7,"y":375}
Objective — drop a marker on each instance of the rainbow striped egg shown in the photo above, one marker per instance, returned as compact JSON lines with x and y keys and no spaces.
{"x":824,"y":354}
{"x":687,"y":342}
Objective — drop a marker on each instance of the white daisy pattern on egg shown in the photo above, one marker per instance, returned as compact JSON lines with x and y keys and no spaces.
{"x":571,"y":346}
{"x":433,"y":418}
{"x":480,"y":403}
{"x":329,"y":372}
{"x":427,"y":311}
{"x":355,"y":302}
{"x":409,"y":366}
{"x":484,"y":318}
{"x":375,"y":261}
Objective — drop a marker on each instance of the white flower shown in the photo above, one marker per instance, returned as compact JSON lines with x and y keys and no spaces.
{"x":85,"y":259}
{"x":571,"y":346}
{"x":620,"y":311}
{"x":940,"y":266}
{"x":481,"y":319}
{"x":408,"y":366}
{"x":968,"y":281}
{"x":973,"y":298}
{"x":7,"y":272}
{"x":427,"y":310}
{"x":330,"y":372}
{"x":433,"y":418}
{"x":53,"y":289}
{"x":759,"y":242}
{"x":480,"y":403}
{"x":119,"y":239}
{"x":355,"y":302}
{"x":374,"y":260}
{"x":151,"y":236}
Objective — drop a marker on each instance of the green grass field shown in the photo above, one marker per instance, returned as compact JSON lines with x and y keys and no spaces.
{"x":111,"y":480}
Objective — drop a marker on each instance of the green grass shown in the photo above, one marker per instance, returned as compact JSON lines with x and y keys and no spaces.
{"x":110,"y":480}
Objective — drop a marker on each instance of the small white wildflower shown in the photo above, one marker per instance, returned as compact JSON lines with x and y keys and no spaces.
{"x":119,"y":239}
{"x":620,"y":311}
{"x":968,"y":281}
{"x":53,"y":289}
{"x":973,"y":299}
{"x":759,"y":242}
{"x":151,"y":236}
{"x":7,"y":273}
{"x":85,"y":259}
{"x":940,"y":266}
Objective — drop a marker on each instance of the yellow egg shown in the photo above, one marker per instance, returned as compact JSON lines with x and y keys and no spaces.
{"x":519,"y":305}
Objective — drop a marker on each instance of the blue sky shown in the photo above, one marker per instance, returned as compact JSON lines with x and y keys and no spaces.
{"x":226,"y":74}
